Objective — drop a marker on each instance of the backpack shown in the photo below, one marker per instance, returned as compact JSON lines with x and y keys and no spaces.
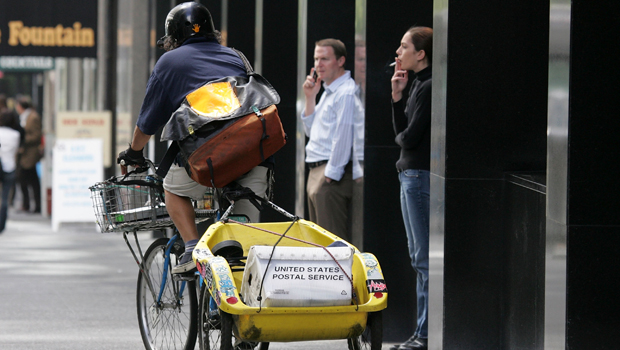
{"x":225,"y":128}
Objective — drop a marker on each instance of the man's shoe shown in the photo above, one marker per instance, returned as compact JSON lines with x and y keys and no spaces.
{"x":186,"y":264}
{"x":409,"y":342}
{"x":418,"y":344}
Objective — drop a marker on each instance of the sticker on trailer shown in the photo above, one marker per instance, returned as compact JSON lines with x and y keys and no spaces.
{"x":208,"y":276}
{"x":375,"y":286}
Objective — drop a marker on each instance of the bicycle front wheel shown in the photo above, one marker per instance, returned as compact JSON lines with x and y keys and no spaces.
{"x":215,"y":326}
{"x":167,"y":312}
{"x":372,"y":338}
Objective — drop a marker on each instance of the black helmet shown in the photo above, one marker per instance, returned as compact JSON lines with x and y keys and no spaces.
{"x":187,"y":20}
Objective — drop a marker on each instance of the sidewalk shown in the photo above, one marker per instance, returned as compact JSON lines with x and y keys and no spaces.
{"x":72,"y":289}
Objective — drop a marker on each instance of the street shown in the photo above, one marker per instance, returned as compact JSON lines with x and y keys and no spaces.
{"x":74,"y":289}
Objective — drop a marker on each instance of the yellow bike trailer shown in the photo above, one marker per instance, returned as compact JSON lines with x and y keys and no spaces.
{"x":226,"y":247}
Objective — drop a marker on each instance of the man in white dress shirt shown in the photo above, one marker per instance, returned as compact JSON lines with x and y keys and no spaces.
{"x":330,"y":126}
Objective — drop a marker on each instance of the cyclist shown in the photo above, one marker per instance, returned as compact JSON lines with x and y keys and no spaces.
{"x":194,"y":56}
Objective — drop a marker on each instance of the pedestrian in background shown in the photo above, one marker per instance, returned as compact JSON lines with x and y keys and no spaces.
{"x":4,"y":107}
{"x":3,"y":103}
{"x":330,"y":127}
{"x":412,"y":125}
{"x":9,"y":145}
{"x":30,"y":153}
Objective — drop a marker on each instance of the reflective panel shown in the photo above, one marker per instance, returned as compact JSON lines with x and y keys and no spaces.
{"x":438,"y":179}
{"x":557,"y":173}
{"x":302,"y":31}
{"x":359,"y":75}
{"x":214,"y":100}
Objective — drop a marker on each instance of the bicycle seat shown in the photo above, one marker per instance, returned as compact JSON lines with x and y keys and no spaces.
{"x":235,"y":192}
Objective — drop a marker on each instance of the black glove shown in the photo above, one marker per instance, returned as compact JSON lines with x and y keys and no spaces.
{"x":131,"y":157}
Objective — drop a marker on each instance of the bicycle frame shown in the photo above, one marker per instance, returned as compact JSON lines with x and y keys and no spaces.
{"x":140,"y":261}
{"x":165,"y":277}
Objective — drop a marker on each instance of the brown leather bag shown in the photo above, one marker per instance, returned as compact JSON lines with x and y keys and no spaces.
{"x":237,"y":148}
{"x":226,"y":127}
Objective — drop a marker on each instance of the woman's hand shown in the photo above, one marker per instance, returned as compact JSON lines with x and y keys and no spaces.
{"x":399,"y":82}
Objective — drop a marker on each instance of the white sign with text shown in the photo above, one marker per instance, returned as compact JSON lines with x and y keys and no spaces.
{"x":87,"y":125}
{"x":77,"y":165}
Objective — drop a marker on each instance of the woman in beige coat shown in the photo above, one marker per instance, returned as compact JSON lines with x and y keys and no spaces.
{"x":30,"y":153}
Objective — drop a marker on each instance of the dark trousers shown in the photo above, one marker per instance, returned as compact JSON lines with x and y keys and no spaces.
{"x":7,"y":180}
{"x":30,"y":179}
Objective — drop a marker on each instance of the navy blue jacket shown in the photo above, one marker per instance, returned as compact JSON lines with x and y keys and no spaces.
{"x":180,"y":71}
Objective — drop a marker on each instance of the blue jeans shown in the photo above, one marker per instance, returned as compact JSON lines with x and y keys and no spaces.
{"x":7,"y":180}
{"x":414,"y":203}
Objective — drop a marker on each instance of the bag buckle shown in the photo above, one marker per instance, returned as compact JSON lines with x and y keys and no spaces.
{"x":257,"y":111}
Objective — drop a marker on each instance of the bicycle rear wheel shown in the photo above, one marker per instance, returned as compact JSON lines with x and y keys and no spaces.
{"x":169,"y":324}
{"x":214,"y":325}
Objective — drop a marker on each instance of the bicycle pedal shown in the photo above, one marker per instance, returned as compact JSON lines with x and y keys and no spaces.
{"x":245,"y":345}
{"x":185,"y":277}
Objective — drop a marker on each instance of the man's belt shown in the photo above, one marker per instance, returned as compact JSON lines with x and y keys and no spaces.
{"x":313,"y":165}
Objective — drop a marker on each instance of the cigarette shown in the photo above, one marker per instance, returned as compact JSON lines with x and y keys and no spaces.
{"x":393,"y":64}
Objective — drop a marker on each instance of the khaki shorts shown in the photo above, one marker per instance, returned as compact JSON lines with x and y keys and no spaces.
{"x":178,"y":182}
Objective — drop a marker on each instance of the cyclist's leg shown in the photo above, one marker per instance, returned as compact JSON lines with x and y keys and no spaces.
{"x":256,"y":180}
{"x":180,"y":188}
{"x":182,"y":214}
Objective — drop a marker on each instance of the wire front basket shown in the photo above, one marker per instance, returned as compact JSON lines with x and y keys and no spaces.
{"x":133,"y":202}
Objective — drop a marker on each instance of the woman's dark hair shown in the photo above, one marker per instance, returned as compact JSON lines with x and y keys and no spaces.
{"x":422,"y":39}
{"x":339,"y":49}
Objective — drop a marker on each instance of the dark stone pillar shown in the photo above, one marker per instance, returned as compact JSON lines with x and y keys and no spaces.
{"x":489,"y":119}
{"x":523,"y":316}
{"x":242,"y":26}
{"x":331,"y":19}
{"x":592,"y":202}
{"x":280,"y":67}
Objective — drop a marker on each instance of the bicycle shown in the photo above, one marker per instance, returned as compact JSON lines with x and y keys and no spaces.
{"x":171,"y":316}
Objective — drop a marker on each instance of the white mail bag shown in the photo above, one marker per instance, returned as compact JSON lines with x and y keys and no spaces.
{"x":297,"y":276}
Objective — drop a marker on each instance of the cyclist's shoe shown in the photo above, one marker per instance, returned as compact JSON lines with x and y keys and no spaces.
{"x":186,"y":264}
